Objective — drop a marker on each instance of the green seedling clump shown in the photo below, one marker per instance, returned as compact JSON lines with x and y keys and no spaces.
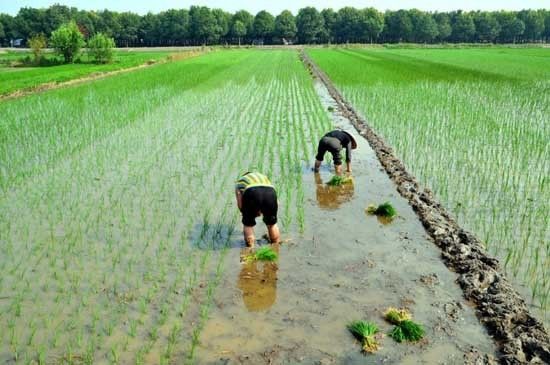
{"x":396,"y":316}
{"x":364,"y":332}
{"x":405,"y":329}
{"x":383,"y":210}
{"x":337,"y":180}
{"x":263,"y":254}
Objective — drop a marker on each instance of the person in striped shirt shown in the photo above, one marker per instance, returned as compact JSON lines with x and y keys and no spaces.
{"x":256,"y":196}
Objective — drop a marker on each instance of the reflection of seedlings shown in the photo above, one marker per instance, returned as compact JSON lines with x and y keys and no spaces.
{"x":364,"y":332}
{"x":405,"y":329}
{"x":383,"y":210}
{"x":263,"y":254}
{"x":337,"y":180}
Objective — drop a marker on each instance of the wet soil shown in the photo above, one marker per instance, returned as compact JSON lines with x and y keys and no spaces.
{"x":520,"y":338}
{"x":346,"y":266}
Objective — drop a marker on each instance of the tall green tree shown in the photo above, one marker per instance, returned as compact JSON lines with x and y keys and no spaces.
{"x":247,"y":19}
{"x":464,"y":28}
{"x":56,"y":15}
{"x":310,"y":24}
{"x":29,"y":21}
{"x":534,"y":24}
{"x":398,"y":26}
{"x":347,"y":26}
{"x":149,"y":29}
{"x":487,"y":26}
{"x":223,"y":20}
{"x":108,"y":23}
{"x":330,"y":19}
{"x":371,"y":23}
{"x":203,"y":24}
{"x":238,"y":30}
{"x":425,"y":28}
{"x":264,"y":26}
{"x":546,"y":32}
{"x":444,"y":28}
{"x":67,"y":41}
{"x":285,"y":26}
{"x":511,"y":28}
{"x":85,"y":21}
{"x":129,"y":26}
{"x":174,"y":27}
{"x":6,"y":26}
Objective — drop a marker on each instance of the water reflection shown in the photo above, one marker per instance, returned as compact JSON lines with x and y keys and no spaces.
{"x":258,"y":282}
{"x":331,"y":197}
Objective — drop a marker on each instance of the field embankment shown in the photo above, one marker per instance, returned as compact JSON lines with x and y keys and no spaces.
{"x":520,"y":336}
{"x":17,"y":81}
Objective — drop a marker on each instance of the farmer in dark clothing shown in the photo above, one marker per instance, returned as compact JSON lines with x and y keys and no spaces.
{"x":334,"y":142}
{"x":256,"y":196}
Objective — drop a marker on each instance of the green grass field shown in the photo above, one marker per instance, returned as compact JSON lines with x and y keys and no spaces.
{"x":115,"y":212}
{"x":17,"y":78}
{"x":474,"y":126}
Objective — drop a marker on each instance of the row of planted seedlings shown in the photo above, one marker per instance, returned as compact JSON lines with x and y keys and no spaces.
{"x":479,"y":143}
{"x":496,"y":190}
{"x":130,"y":221}
{"x":121,"y":274}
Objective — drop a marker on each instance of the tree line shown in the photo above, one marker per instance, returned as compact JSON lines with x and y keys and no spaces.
{"x":200,"y":25}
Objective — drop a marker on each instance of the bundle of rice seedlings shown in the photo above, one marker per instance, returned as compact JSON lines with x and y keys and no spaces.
{"x":337,"y":180}
{"x":397,"y":315}
{"x":364,"y":332}
{"x":405,"y":329}
{"x":262,"y":254}
{"x":383,"y":210}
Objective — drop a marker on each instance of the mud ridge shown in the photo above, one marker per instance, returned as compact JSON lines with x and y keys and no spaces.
{"x":519,"y":336}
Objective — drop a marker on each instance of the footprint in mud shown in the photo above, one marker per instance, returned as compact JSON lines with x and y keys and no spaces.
{"x":258,"y":283}
{"x":331,"y":197}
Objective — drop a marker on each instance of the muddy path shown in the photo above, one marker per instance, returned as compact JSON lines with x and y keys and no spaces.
{"x":520,"y":338}
{"x":345,"y":266}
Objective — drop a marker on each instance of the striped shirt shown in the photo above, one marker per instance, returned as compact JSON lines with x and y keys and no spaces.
{"x":251,"y":179}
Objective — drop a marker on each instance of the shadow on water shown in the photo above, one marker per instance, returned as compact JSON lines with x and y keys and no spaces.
{"x":331,"y":197}
{"x":258,"y":282}
{"x":215,"y":236}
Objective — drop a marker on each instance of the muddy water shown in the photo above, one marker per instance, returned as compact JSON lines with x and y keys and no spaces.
{"x":346,"y":266}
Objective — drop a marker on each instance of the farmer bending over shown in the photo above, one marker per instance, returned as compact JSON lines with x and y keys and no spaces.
{"x":256,"y":196}
{"x":334,"y":142}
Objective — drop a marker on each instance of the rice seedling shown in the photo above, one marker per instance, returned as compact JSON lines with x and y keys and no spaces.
{"x":397,"y":315}
{"x":407,"y":330}
{"x":365,"y":333}
{"x":262,"y":254}
{"x":383,"y":210}
{"x":110,"y":230}
{"x":338,"y":180}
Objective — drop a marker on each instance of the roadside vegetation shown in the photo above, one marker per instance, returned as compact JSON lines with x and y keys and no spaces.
{"x":25,"y":78}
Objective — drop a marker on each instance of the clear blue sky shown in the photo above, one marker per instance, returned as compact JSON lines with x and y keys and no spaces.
{"x":276,"y":6}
